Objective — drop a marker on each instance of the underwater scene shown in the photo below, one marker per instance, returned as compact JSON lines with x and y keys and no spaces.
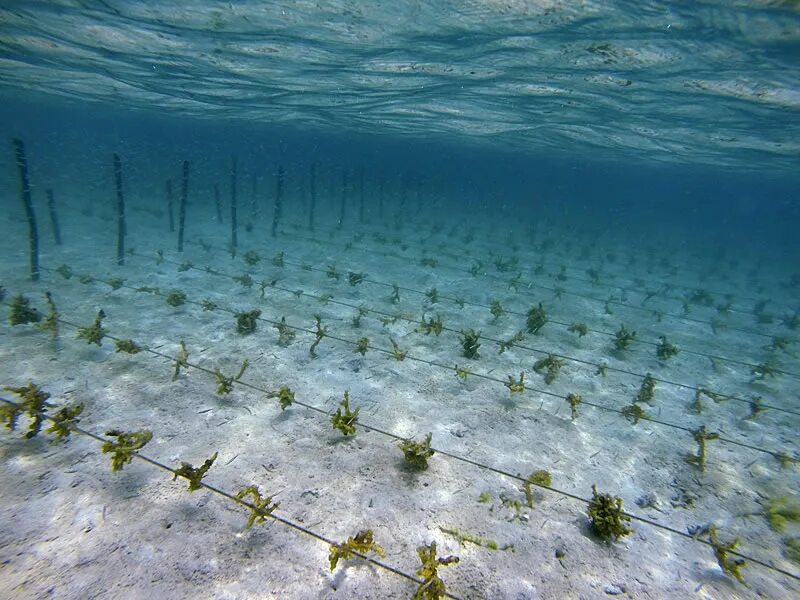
{"x":357,"y":300}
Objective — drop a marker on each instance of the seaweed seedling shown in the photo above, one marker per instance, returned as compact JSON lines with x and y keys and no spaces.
{"x":470,"y":343}
{"x":181,"y":360}
{"x":278,"y":260}
{"x":540,"y":478}
{"x":355,"y":278}
{"x":496,"y":309}
{"x":251,"y":257}
{"x":550,"y":366}
{"x":320,"y":332}
{"x":764,"y":370}
{"x":65,"y":271}
{"x":194,"y":474}
{"x":729,"y":566}
{"x":362,"y":543}
{"x":94,"y":333}
{"x":21,"y":311}
{"x":516,"y":386}
{"x":462,"y":372}
{"x":285,"y":397}
{"x":50,"y":322}
{"x":792,"y":549}
{"x":574,"y":400}
{"x":362,"y":345}
{"x":332,"y":273}
{"x":665,"y":350}
{"x":634,"y":412}
{"x":86,"y":279}
{"x":260,"y":507}
{"x":515,"y":282}
{"x":432,"y":325}
{"x":285,"y":333}
{"x":244,"y":280}
{"x":701,"y":436}
{"x":602,"y":370}
{"x":225,"y":383}
{"x":115,"y":283}
{"x":361,"y":312}
{"x":323,"y":299}
{"x":510,"y":342}
{"x":63,"y":421}
{"x":781,"y":511}
{"x":123,"y":450}
{"x":459,"y":301}
{"x":33,"y":401}
{"x":428,"y":262}
{"x":397,"y":353}
{"x":580,"y":328}
{"x":623,"y":338}
{"x":246,"y":321}
{"x":537,"y":317}
{"x":176,"y":298}
{"x":432,"y":586}
{"x":128,"y":346}
{"x":344,"y":420}
{"x":647,"y":389}
{"x":394,"y":298}
{"x":756,"y":408}
{"x":417,"y":453}
{"x":432,"y":295}
{"x":606,"y":516}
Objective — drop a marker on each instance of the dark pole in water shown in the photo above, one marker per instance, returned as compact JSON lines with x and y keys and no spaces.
{"x":51,"y":207}
{"x":170,"y":207}
{"x":25,"y":196}
{"x":344,"y":199}
{"x":217,"y":203}
{"x":361,"y":198}
{"x":182,"y":208}
{"x":278,"y":202}
{"x":233,"y":210}
{"x":313,"y":190}
{"x":120,"y":211}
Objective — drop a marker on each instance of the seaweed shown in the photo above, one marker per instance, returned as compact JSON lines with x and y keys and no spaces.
{"x":277,"y":260}
{"x":634,"y":412}
{"x":50,"y":322}
{"x":484,"y":498}
{"x":355,"y":278}
{"x":362,"y":345}
{"x":580,"y":328}
{"x":244,"y":280}
{"x":344,"y":420}
{"x":764,"y":370}
{"x":665,"y":350}
{"x":247,"y":321}
{"x":176,"y":298}
{"x":574,"y":400}
{"x":432,"y":295}
{"x":94,"y":333}
{"x":516,"y":386}
{"x":123,"y":450}
{"x":496,"y":309}
{"x":260,"y":506}
{"x":417,"y":453}
{"x":781,"y":511}
{"x":459,"y":301}
{"x":225,"y":383}
{"x":286,"y":334}
{"x":181,"y":360}
{"x":33,"y":401}
{"x":607,"y":518}
{"x":396,"y":352}
{"x":462,"y":372}
{"x":194,"y":474}
{"x":65,"y":271}
{"x":432,"y":325}
{"x":432,"y":586}
{"x":160,"y":257}
{"x":128,"y":346}
{"x":428,"y":262}
{"x":362,"y":543}
{"x":470,"y":343}
{"x":623,"y":338}
{"x":729,"y":566}
{"x":540,"y":478}
{"x":361,"y":312}
{"x":251,"y":257}
{"x":322,"y":299}
{"x":332,"y":273}
{"x":536,"y":319}
{"x":512,"y":341}
{"x":21,"y":312}
{"x":64,"y":421}
{"x":647,"y":389}
{"x":756,"y":408}
{"x":602,"y":370}
{"x":284,"y":395}
{"x":792,"y":549}
{"x":701,"y":436}
{"x":320,"y":332}
{"x":550,"y":366}
{"x":116,"y":283}
{"x":86,"y":279}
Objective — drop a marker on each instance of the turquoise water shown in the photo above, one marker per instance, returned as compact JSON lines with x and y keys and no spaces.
{"x":602,"y":196}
